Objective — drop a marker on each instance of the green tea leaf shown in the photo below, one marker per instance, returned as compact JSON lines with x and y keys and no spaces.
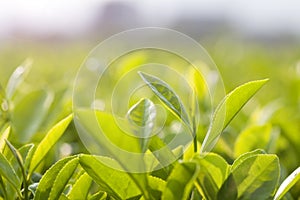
{"x":17,"y":78}
{"x":245,"y":156}
{"x":228,"y":189}
{"x":28,"y":114}
{"x":213,"y":172}
{"x":16,"y":153}
{"x":62,"y":179}
{"x":27,"y":152}
{"x":99,"y":196}
{"x":166,"y":94}
{"x":110,"y":131}
{"x":3,"y":137}
{"x":227,"y":109}
{"x":48,"y":179}
{"x":156,"y":187}
{"x":7,"y":171}
{"x":181,"y":181}
{"x":17,"y":162}
{"x":257,"y":176}
{"x":156,"y":184}
{"x":142,"y":118}
{"x":48,"y":142}
{"x":63,"y":197}
{"x":287,"y":184}
{"x":81,"y":187}
{"x":165,"y":156}
{"x":116,"y":183}
{"x":252,"y":138}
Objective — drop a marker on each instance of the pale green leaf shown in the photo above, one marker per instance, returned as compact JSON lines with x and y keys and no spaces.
{"x":156,"y":183}
{"x":63,"y":197}
{"x":81,"y":187}
{"x":257,"y":176}
{"x":48,"y":179}
{"x":3,"y":137}
{"x":48,"y":142}
{"x":17,"y":78}
{"x":28,"y":114}
{"x":165,"y":156}
{"x":141,"y":117}
{"x":254,"y":137}
{"x":181,"y":181}
{"x":245,"y":156}
{"x":287,"y":184}
{"x":227,"y":109}
{"x":63,"y":178}
{"x":116,"y":183}
{"x":99,"y":196}
{"x":105,"y":136}
{"x":156,"y":187}
{"x":96,"y":121}
{"x":213,"y":172}
{"x":167,"y":95}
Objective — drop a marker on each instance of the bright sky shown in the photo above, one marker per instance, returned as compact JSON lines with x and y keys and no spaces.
{"x":65,"y":16}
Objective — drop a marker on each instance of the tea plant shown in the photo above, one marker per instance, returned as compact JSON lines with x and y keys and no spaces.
{"x":197,"y":174}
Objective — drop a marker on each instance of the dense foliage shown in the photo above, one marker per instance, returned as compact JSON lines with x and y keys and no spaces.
{"x":252,"y":156}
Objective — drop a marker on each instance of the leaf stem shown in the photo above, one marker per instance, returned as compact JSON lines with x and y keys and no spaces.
{"x":195,"y":139}
{"x":194,"y":124}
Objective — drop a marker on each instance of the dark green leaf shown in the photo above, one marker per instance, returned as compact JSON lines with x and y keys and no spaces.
{"x":7,"y":171}
{"x":228,"y":189}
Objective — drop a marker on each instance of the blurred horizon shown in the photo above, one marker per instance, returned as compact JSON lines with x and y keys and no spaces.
{"x":267,"y":21}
